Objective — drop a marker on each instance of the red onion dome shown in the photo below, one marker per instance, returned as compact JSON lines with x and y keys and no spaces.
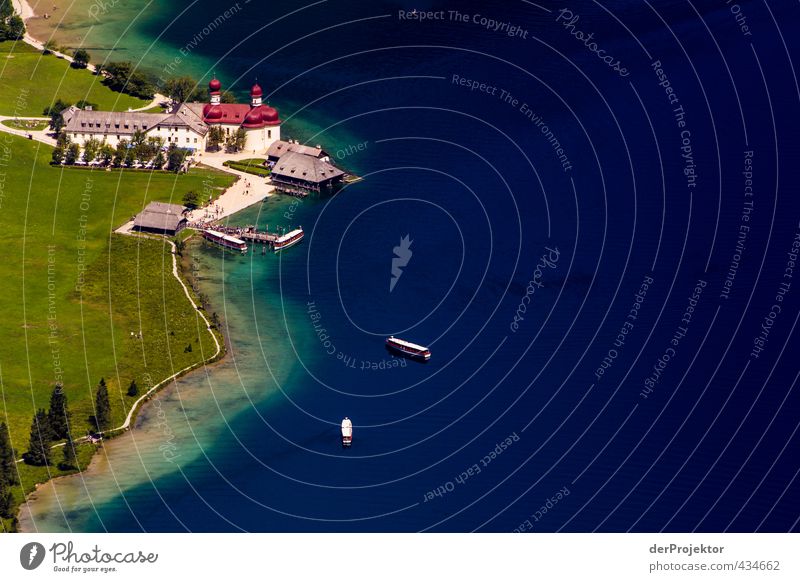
{"x":212,"y":112}
{"x":269,"y":114}
{"x":256,"y":91}
{"x":253,"y":118}
{"x":215,"y":86}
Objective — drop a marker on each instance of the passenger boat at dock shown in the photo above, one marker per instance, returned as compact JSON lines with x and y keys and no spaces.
{"x":347,"y":432}
{"x":408,"y":349}
{"x":225,"y":240}
{"x":287,"y":240}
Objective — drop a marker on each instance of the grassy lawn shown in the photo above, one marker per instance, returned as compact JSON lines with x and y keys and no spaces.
{"x":56,"y":232}
{"x":26,"y":124}
{"x":253,"y":166}
{"x":32,"y":82}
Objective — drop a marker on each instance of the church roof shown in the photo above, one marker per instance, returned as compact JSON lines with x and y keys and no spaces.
{"x":230,"y":113}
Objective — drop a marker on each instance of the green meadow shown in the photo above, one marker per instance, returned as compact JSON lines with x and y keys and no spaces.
{"x":80,"y":303}
{"x":33,"y":81}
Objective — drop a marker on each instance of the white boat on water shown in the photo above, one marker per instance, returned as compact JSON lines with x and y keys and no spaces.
{"x":347,"y":432}
{"x":407,"y":348}
{"x":225,"y":240}
{"x":288,"y":240}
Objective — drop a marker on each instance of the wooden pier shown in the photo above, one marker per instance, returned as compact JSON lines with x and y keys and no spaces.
{"x":252,"y":235}
{"x":259,"y":237}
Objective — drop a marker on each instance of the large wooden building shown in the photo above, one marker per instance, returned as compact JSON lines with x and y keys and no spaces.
{"x":302,"y":174}
{"x":161,"y":218}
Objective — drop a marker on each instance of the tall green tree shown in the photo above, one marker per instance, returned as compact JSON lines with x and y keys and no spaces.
{"x":130,"y":157}
{"x":120,"y":153}
{"x":160,"y":160}
{"x":58,"y":155}
{"x":123,"y":77}
{"x":175,"y":158}
{"x":80,"y":60}
{"x":91,"y":149}
{"x":62,"y":140}
{"x":138,"y":138}
{"x":236,"y":141}
{"x":8,"y":462}
{"x":59,"y":415}
{"x":54,"y":111}
{"x":183,"y":89}
{"x":191,"y":199}
{"x":102,"y":407}
{"x":41,"y":437}
{"x":70,"y":460}
{"x":11,"y":25}
{"x":72,"y":154}
{"x":84,"y":104}
{"x":216,"y":137}
{"x":6,"y":501}
{"x":106,"y":153}
{"x":133,"y":389}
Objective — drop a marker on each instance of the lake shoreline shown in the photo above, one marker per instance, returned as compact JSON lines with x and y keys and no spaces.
{"x":136,"y":417}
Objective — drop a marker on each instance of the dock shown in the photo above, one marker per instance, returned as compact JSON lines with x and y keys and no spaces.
{"x":252,"y":235}
{"x":259,"y":237}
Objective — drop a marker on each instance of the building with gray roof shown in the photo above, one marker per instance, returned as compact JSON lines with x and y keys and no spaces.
{"x":301,"y":174}
{"x":161,"y":218}
{"x":280,"y":147}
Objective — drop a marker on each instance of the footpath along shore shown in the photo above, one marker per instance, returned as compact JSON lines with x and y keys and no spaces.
{"x":26,"y":13}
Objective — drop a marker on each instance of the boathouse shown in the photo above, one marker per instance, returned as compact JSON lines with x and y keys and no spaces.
{"x":300,"y":174}
{"x":161,"y":218}
{"x":280,"y":147}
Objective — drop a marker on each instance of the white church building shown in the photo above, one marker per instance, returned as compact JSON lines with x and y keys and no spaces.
{"x":186,"y":126}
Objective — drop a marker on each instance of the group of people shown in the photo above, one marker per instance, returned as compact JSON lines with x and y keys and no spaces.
{"x":247,"y":186}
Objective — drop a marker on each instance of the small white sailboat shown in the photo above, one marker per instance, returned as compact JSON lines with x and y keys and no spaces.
{"x":347,"y":432}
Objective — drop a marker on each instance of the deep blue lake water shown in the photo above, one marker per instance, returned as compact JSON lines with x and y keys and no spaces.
{"x":612,"y":347}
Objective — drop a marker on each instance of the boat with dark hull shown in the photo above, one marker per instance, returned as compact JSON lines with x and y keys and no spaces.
{"x":408,"y":349}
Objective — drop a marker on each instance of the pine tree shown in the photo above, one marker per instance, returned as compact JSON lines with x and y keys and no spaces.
{"x":8,"y":465}
{"x":59,"y":415}
{"x":41,"y":437}
{"x":8,"y":473}
{"x":70,"y":455}
{"x":102,"y":407}
{"x":6,"y":500}
{"x":133,"y":389}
